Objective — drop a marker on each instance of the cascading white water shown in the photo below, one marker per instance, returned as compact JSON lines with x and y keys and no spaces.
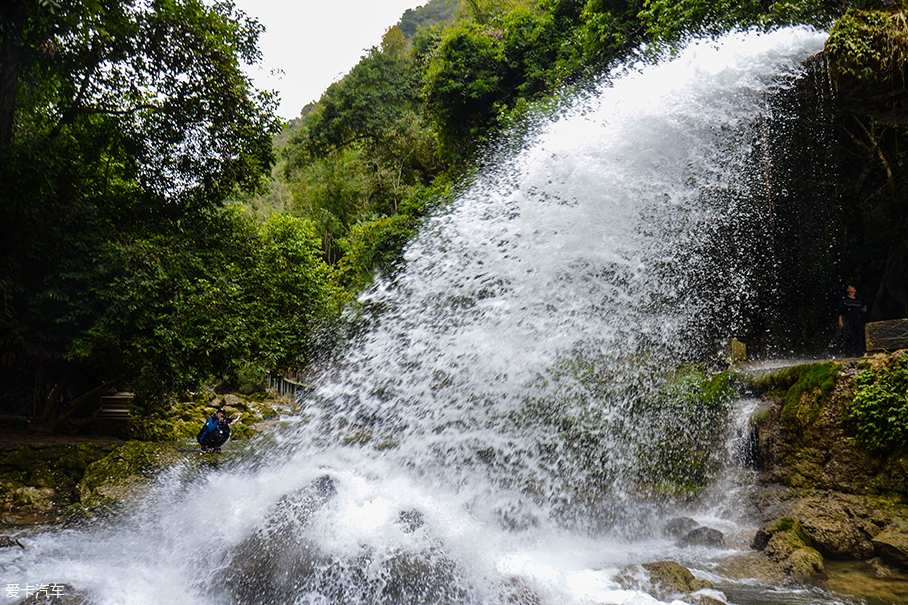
{"x":475,"y":445}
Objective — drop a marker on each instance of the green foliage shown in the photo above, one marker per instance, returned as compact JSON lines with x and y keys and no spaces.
{"x":868,"y":46}
{"x":610,"y":27}
{"x":668,"y":20}
{"x":363,"y":149}
{"x":465,"y":85}
{"x":124,"y":127}
{"x":204,"y":298}
{"x":377,"y":244}
{"x":380,"y":91}
{"x":879,"y":408}
{"x":435,"y":12}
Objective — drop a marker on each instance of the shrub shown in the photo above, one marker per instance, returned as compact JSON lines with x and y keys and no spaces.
{"x":879,"y":409}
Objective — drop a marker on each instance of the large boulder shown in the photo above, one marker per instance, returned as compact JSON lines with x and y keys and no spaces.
{"x":703,"y":536}
{"x":892,"y":544}
{"x":667,"y":581}
{"x":840,"y":526}
{"x":678,"y":527}
{"x":123,"y":476}
{"x":787,"y":543}
{"x":279,"y":561}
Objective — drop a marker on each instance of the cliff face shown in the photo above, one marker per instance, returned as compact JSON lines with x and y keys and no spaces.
{"x":826,"y":481}
{"x":809,"y":439}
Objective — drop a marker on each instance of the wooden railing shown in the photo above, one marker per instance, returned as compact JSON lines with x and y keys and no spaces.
{"x":285,"y":386}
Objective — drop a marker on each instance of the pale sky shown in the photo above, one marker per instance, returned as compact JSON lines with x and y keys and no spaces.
{"x":316,"y":43}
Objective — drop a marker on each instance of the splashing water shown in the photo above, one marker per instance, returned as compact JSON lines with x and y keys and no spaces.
{"x":483,"y":442}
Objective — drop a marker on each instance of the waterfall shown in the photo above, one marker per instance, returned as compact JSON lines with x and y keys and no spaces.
{"x":483,"y":440}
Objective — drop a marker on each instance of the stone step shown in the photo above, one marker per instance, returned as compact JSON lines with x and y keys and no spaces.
{"x":887,"y":335}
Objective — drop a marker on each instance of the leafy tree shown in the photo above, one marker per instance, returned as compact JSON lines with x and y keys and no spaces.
{"x":365,"y":147}
{"x":465,"y":86}
{"x":668,"y":20}
{"x":433,"y":13}
{"x":376,"y":244}
{"x":121,"y":123}
{"x":196,"y":299}
{"x":610,"y":27}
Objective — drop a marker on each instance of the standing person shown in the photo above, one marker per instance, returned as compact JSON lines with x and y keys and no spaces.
{"x":215,"y":433}
{"x":851,"y":322}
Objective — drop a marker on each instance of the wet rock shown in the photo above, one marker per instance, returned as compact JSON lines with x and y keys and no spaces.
{"x":788,"y":544}
{"x":678,"y":527}
{"x":281,"y":561}
{"x":7,"y":542}
{"x":667,"y":581}
{"x":515,"y":592}
{"x":703,"y":536}
{"x":892,"y":544}
{"x":883,"y":571}
{"x":840,"y":526}
{"x":426,"y":576}
{"x":753,"y":565}
{"x":234,"y":402}
{"x":410,"y":521}
{"x":123,"y":476}
{"x":54,"y":594}
{"x":271,"y":564}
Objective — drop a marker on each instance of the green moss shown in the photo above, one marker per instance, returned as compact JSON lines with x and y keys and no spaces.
{"x":868,"y":46}
{"x":238,"y":430}
{"x":47,"y":466}
{"x":120,"y":476}
{"x":797,"y":536}
{"x":686,"y":415}
{"x":878,"y":411}
{"x":802,"y":390}
{"x":182,"y":420}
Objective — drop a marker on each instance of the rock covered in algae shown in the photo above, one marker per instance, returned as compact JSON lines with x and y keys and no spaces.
{"x":892,"y":544}
{"x":123,"y":476}
{"x":788,"y":544}
{"x":668,"y":580}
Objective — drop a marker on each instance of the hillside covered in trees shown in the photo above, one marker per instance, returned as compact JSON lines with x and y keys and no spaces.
{"x":154,"y":238}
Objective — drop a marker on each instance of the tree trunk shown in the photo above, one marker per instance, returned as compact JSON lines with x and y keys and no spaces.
{"x":9,"y":71}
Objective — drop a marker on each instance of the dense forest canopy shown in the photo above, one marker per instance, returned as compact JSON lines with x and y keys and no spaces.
{"x":159,"y":231}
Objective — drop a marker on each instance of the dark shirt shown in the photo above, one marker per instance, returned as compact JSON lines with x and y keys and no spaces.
{"x":850,"y":308}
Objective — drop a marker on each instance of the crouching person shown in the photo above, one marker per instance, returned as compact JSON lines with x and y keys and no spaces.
{"x":214,"y":434}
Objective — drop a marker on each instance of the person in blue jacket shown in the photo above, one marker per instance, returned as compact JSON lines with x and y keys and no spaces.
{"x":215,"y":433}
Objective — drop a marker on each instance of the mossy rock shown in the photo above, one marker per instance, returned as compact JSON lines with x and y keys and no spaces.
{"x":804,"y":390}
{"x":665,"y":580}
{"x":892,"y":544}
{"x":788,"y":544}
{"x":182,"y":420}
{"x":121,"y":477}
{"x":38,"y":482}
